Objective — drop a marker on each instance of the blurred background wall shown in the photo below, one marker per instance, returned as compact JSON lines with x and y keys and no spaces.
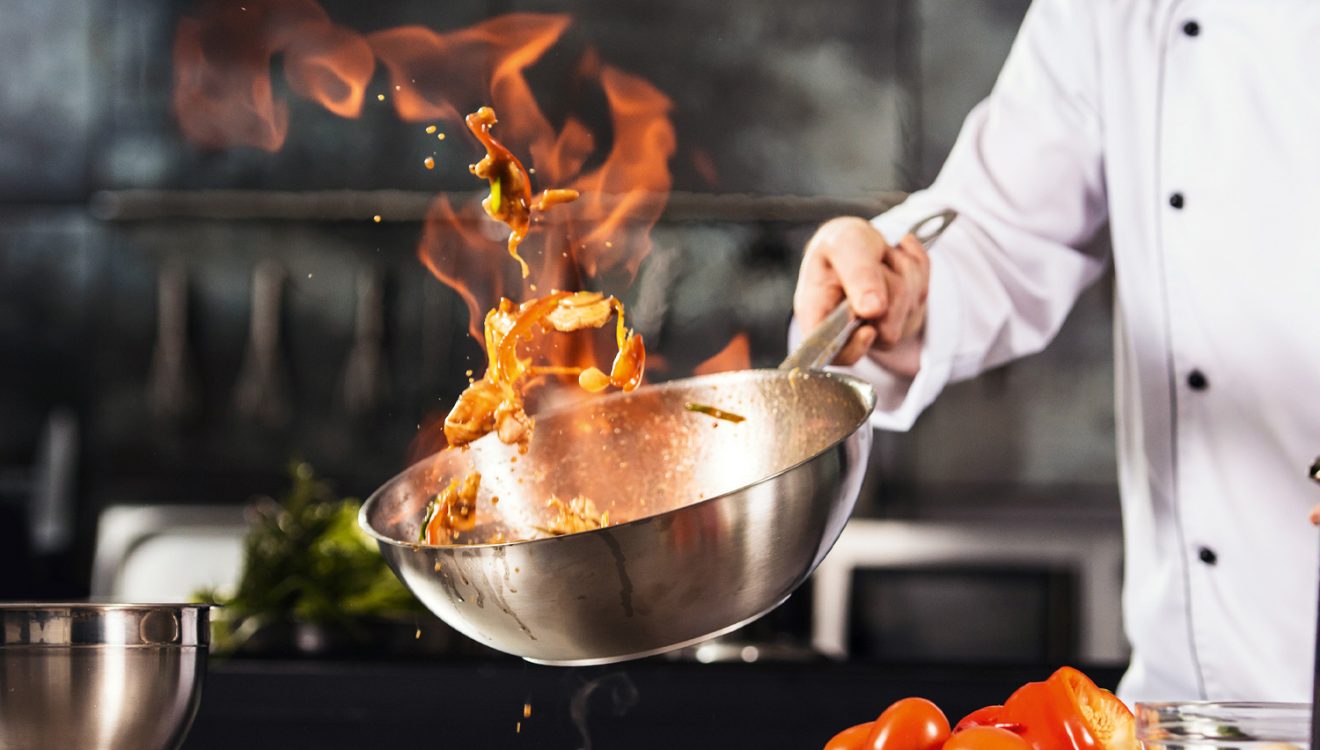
{"x":129,"y":259}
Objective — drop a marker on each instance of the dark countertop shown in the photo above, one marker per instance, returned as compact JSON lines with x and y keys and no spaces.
{"x":253,"y":704}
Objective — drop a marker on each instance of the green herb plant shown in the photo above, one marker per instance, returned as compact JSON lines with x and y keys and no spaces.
{"x":306,"y":561}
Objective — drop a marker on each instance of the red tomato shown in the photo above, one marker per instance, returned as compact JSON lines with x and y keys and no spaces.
{"x":909,"y":724}
{"x":990,"y":716}
{"x":1068,"y":712}
{"x":850,"y":738}
{"x":986,"y":738}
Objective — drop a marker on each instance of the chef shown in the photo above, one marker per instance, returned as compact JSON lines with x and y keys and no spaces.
{"x":1192,"y":128}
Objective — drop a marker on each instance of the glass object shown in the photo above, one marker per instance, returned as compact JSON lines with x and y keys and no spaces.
{"x":1202,"y":725}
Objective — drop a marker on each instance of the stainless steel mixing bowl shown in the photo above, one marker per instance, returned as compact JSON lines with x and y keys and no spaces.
{"x":724,"y":520}
{"x":100,"y":676}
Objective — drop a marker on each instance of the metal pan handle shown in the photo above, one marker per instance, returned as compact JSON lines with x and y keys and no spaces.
{"x":823,"y":344}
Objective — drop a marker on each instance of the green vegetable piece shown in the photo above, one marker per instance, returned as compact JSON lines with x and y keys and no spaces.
{"x":711,"y":411}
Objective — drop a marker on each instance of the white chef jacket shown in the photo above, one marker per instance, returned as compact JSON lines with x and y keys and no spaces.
{"x":1193,"y":128}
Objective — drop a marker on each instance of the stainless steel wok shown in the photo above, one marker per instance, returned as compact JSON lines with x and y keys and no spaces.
{"x":722,"y":520}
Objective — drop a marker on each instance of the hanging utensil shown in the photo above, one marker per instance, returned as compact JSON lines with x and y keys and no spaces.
{"x":261,"y":395}
{"x":365,"y":375}
{"x":171,"y":387}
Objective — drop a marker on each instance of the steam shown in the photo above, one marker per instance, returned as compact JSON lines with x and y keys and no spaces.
{"x":620,"y":696}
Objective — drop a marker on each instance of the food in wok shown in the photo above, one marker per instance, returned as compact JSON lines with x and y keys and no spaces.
{"x":512,"y":334}
{"x":495,"y":402}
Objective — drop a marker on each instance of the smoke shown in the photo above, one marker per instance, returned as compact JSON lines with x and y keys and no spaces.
{"x":620,"y":695}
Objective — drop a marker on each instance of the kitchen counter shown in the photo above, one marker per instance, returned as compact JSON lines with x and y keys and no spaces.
{"x":253,"y":704}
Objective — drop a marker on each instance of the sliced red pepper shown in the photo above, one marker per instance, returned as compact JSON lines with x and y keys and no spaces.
{"x":1068,"y":712}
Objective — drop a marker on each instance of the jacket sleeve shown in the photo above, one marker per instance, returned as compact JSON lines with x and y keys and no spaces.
{"x":1026,"y":176}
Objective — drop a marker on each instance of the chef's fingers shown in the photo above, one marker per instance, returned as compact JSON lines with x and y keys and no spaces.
{"x":916,"y":273}
{"x":913,"y":248}
{"x":843,"y":259}
{"x":892,"y":324}
{"x":858,"y":344}
{"x":818,"y":289}
{"x":908,"y":275}
{"x":1315,"y":515}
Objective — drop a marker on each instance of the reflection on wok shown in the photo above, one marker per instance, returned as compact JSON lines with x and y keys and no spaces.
{"x":715,"y":522}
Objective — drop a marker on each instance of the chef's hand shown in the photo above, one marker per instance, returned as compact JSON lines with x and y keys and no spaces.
{"x":885,"y":286}
{"x":1315,"y":516}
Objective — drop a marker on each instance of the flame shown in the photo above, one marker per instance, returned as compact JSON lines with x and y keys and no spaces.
{"x":224,"y":96}
{"x":622,"y":196}
{"x":635,"y":175}
{"x":331,"y":67}
{"x":225,"y":103}
{"x":443,"y":76}
{"x":736,"y":355}
{"x":223,"y":93}
{"x":457,"y":253}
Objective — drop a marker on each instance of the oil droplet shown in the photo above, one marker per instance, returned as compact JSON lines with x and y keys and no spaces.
{"x":418,"y":635}
{"x":376,"y":218}
{"x":431,"y":129}
{"x":380,"y":97}
{"x":527,"y":710}
{"x":441,"y":136}
{"x":429,"y":162}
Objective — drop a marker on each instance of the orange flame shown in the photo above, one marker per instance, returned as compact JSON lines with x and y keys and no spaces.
{"x":222,"y":84}
{"x":223,"y":97}
{"x":444,"y":76}
{"x":331,"y":67}
{"x":455,"y":250}
{"x":606,"y":230}
{"x":635,"y":174}
{"x":736,"y":355}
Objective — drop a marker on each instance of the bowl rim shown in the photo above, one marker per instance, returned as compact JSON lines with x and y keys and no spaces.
{"x":54,"y":624}
{"x":864,"y":389}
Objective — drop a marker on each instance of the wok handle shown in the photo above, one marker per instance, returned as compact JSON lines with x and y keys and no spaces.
{"x":823,"y":344}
